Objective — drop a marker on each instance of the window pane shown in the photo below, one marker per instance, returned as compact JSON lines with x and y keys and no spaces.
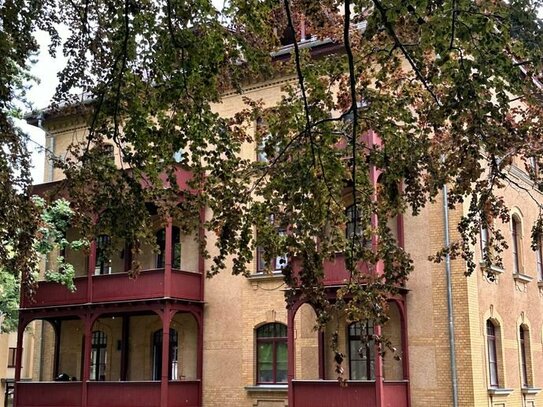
{"x":265,"y":331}
{"x":265,"y":353}
{"x":280,"y":330}
{"x":265,"y":362}
{"x":282,"y":362}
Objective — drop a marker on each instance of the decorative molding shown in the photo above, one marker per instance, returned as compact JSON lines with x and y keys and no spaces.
{"x":490,"y":275}
{"x":523,"y":278}
{"x":530,"y":391}
{"x":499,"y":391}
{"x":265,"y":276}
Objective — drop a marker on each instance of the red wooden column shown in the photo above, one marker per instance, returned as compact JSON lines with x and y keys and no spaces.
{"x":201,"y":260}
{"x":91,"y":268}
{"x":168,"y":259}
{"x":88,"y":322}
{"x":19,"y":356}
{"x":405,"y":347}
{"x":125,"y":347}
{"x":291,"y":313}
{"x":322,"y":355}
{"x":57,"y":327}
{"x":200,"y":355}
{"x":379,"y":387}
{"x":166,"y":318}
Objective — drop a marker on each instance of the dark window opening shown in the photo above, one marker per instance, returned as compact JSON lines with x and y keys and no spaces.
{"x":492,"y":354}
{"x":361,"y":351}
{"x":524,"y":366}
{"x":98,"y":356}
{"x":172,"y":355}
{"x":12,"y":357}
{"x":515,"y":231}
{"x":176,"y":248}
{"x":103,"y":262}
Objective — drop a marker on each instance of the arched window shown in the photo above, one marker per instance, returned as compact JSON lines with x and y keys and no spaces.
{"x":524,"y":342}
{"x":361,"y":351}
{"x":98,"y":356}
{"x":516,"y":234}
{"x":176,"y":248}
{"x":492,"y":353}
{"x":483,"y":239}
{"x":539,"y":259}
{"x":271,"y":353}
{"x":172,"y":355}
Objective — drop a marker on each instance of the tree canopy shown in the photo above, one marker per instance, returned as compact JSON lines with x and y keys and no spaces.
{"x":449,"y":86}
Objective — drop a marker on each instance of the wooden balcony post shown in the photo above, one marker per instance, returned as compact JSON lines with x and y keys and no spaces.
{"x":88,"y":322}
{"x":201,"y":260}
{"x":291,"y":313}
{"x":124,"y":347}
{"x":405,"y":346}
{"x":57,"y":327}
{"x":19,"y":350}
{"x":322,"y":355}
{"x":168,"y":259}
{"x":200,"y":354}
{"x":19,"y":355}
{"x":91,"y":269}
{"x":379,"y":387}
{"x":164,"y":377}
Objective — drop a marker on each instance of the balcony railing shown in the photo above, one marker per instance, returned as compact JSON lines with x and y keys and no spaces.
{"x":111,"y":394}
{"x":335,"y":271}
{"x":329,"y":393}
{"x":149,"y":284}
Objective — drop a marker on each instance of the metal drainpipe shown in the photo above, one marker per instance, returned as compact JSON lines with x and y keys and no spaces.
{"x":452,"y":342}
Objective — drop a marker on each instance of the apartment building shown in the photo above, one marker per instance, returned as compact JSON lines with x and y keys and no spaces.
{"x":171,"y":337}
{"x":8,"y":348}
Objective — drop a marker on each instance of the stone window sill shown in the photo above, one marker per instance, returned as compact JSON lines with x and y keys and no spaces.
{"x":267,"y":388}
{"x":495,"y":269}
{"x":275,"y":275}
{"x":523,"y":278}
{"x":499,"y":391}
{"x":530,"y":391}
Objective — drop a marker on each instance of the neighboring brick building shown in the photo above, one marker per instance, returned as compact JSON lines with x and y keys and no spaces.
{"x":173,"y":338}
{"x":8,"y":344}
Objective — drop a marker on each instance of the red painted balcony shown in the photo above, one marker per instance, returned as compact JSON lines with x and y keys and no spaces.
{"x":149,"y":284}
{"x":328,"y":393}
{"x":110,"y":394}
{"x":335,"y":271}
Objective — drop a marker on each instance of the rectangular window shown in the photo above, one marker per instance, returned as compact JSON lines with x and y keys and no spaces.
{"x":492,"y":354}
{"x":539,"y":260}
{"x":277,"y":263}
{"x":516,"y":236}
{"x":484,"y":239}
{"x":524,"y":366}
{"x":12,"y":357}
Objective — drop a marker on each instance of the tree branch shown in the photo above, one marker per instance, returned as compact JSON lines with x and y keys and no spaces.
{"x":392,"y":33}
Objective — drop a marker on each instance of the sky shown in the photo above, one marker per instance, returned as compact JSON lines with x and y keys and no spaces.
{"x":40,"y":95}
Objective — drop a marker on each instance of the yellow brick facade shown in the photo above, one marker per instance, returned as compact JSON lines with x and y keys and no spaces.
{"x":236,"y":306}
